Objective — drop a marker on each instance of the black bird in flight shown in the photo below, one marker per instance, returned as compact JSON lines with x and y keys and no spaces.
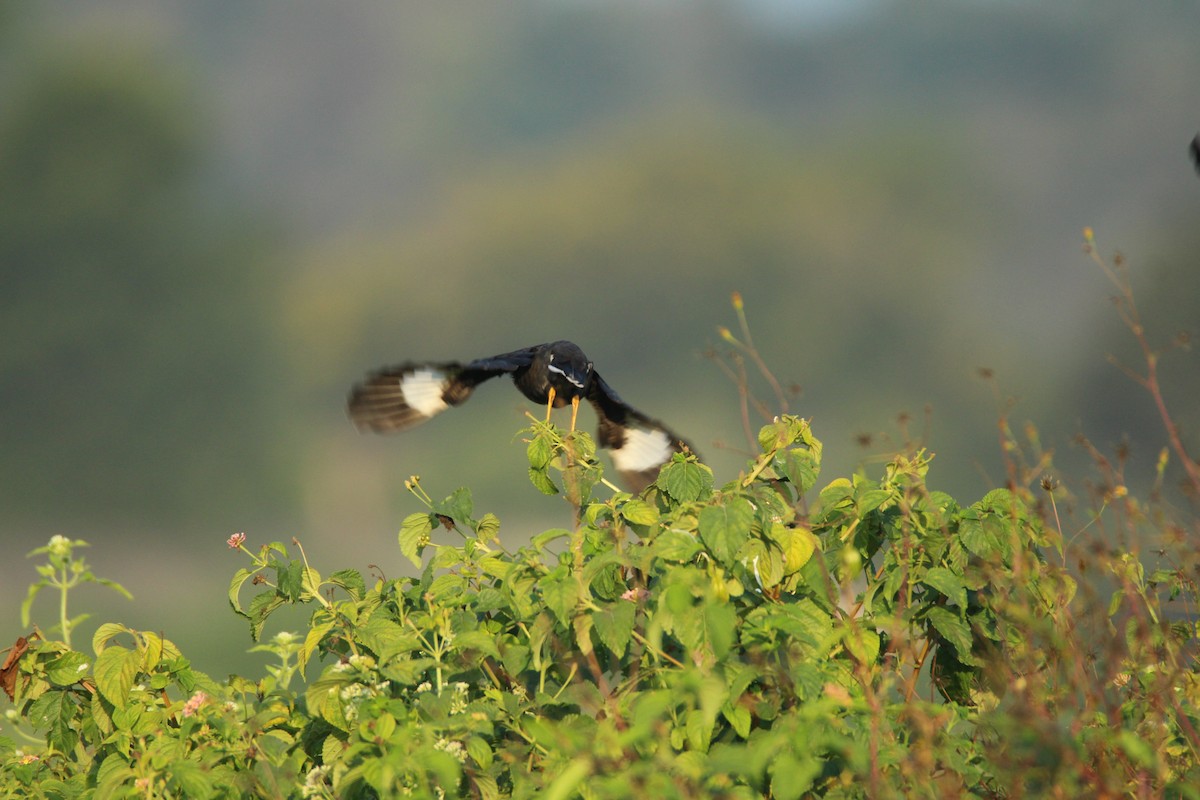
{"x":1195,"y":151}
{"x":555,"y":374}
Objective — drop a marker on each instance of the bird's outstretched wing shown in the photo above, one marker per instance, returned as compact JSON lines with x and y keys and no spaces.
{"x":401,"y":397}
{"x":639,"y":445}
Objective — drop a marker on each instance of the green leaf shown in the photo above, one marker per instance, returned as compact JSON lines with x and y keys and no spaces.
{"x":799,"y":548}
{"x":954,"y":630}
{"x":560,"y":590}
{"x":414,"y":536}
{"x":725,"y":528}
{"x":614,"y":625}
{"x":568,"y":780}
{"x":870,"y":499}
{"x":792,"y":776}
{"x":189,"y":779}
{"x":482,"y":641}
{"x":115,"y":670}
{"x":351,"y":580}
{"x":541,"y":452}
{"x":581,"y":626}
{"x":546,"y":537}
{"x":698,"y":730}
{"x":676,"y":546}
{"x":261,"y":607}
{"x":862,"y":643}
{"x":386,"y":638}
{"x":312,"y":641}
{"x":947,"y":583}
{"x":488,"y":527}
{"x":801,"y":466}
{"x":54,"y":712}
{"x":458,"y":507}
{"x":105,"y":633}
{"x":685,"y":480}
{"x":541,"y":481}
{"x":235,"y":586}
{"x":720,"y":627}
{"x":639,"y":512}
{"x":27,"y":603}
{"x":480,"y":751}
{"x":739,"y":719}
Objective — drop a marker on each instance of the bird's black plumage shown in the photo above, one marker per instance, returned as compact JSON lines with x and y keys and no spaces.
{"x":1195,"y":151}
{"x":557,"y":374}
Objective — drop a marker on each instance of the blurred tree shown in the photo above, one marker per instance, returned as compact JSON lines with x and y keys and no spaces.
{"x":132,"y":309}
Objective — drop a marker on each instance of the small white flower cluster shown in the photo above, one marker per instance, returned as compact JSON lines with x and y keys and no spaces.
{"x":458,"y":701}
{"x":453,"y":747}
{"x":352,"y":696}
{"x":59,"y":545}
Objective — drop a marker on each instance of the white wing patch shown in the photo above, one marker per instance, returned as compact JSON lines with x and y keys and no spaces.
{"x":422,"y":390}
{"x":570,"y":378}
{"x":643,"y":449}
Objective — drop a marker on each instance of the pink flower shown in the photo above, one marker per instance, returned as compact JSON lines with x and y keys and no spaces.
{"x":193,"y":704}
{"x":236,"y":541}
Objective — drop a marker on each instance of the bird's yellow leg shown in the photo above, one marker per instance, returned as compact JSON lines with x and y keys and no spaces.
{"x":549,"y":404}
{"x":574,"y":411}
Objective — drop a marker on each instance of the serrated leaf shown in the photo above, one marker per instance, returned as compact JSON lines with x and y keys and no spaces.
{"x":801,"y":544}
{"x":541,"y":481}
{"x":947,"y":583}
{"x":235,"y":586}
{"x":54,"y":712}
{"x":312,"y":641}
{"x":261,"y":607}
{"x":581,"y":626}
{"x":351,"y":580}
{"x":546,"y":537}
{"x":676,"y":546}
{"x":739,"y":719}
{"x":541,"y":452}
{"x":189,"y":779}
{"x":482,"y":641}
{"x":386,"y":638}
{"x":686,"y":481}
{"x":862,"y":643}
{"x":446,"y":586}
{"x":955,"y":631}
{"x":488,"y":528}
{"x":725,"y":528}
{"x":560,"y":591}
{"x":105,"y":633}
{"x":614,"y":625}
{"x":323,"y":699}
{"x":800,"y":466}
{"x":289,"y":580}
{"x":114,"y":671}
{"x":414,"y":536}
{"x":639,"y":512}
{"x":458,"y":507}
{"x":870,"y":499}
{"x":480,"y":751}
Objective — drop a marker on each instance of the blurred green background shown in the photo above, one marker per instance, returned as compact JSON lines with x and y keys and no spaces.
{"x":214,"y":217}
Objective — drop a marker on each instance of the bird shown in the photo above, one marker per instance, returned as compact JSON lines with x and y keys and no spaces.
{"x":554,"y":374}
{"x":1195,"y":151}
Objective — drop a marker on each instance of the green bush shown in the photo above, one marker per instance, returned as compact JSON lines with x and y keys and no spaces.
{"x":873,"y":638}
